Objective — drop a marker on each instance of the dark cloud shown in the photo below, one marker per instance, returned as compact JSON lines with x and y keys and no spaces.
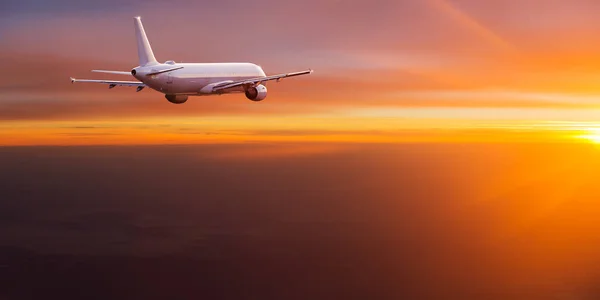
{"x":386,"y":222}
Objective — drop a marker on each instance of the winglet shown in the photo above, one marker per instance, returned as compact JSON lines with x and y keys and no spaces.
{"x":145,"y":54}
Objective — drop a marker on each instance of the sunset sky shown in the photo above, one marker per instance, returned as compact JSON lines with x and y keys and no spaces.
{"x":442,"y":149}
{"x":385,"y":71}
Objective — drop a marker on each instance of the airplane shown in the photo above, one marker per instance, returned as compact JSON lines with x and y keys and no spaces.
{"x":180,"y":80}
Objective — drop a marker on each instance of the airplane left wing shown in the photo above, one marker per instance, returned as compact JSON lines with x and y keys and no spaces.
{"x":112,"y":83}
{"x":258,"y":80}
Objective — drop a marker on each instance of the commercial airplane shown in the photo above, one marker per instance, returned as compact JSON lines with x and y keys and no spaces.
{"x":180,"y":80}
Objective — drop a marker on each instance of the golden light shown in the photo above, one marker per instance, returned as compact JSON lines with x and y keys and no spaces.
{"x":591,"y":134}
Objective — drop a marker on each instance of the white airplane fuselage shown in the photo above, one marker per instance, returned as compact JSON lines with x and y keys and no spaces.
{"x":194,"y":79}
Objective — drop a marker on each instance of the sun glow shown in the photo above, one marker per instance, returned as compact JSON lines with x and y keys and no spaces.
{"x":591,"y":134}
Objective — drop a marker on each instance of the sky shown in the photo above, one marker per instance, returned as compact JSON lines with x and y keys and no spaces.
{"x":446,"y":69}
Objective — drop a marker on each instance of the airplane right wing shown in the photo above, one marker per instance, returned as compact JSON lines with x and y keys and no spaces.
{"x":258,"y":80}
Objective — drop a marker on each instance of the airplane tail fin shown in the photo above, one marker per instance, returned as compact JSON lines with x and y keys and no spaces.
{"x":143,"y":45}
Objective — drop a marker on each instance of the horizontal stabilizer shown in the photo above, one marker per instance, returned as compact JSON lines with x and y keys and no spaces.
{"x":163,"y":71}
{"x":112,"y":72}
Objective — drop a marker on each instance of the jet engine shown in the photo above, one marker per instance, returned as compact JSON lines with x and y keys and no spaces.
{"x":256,"y":93}
{"x":177,"y":99}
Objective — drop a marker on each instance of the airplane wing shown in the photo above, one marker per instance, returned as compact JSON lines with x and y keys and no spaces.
{"x":258,"y":80}
{"x":112,"y":83}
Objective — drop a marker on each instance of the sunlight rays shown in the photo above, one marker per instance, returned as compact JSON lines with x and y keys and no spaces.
{"x":470,"y":23}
